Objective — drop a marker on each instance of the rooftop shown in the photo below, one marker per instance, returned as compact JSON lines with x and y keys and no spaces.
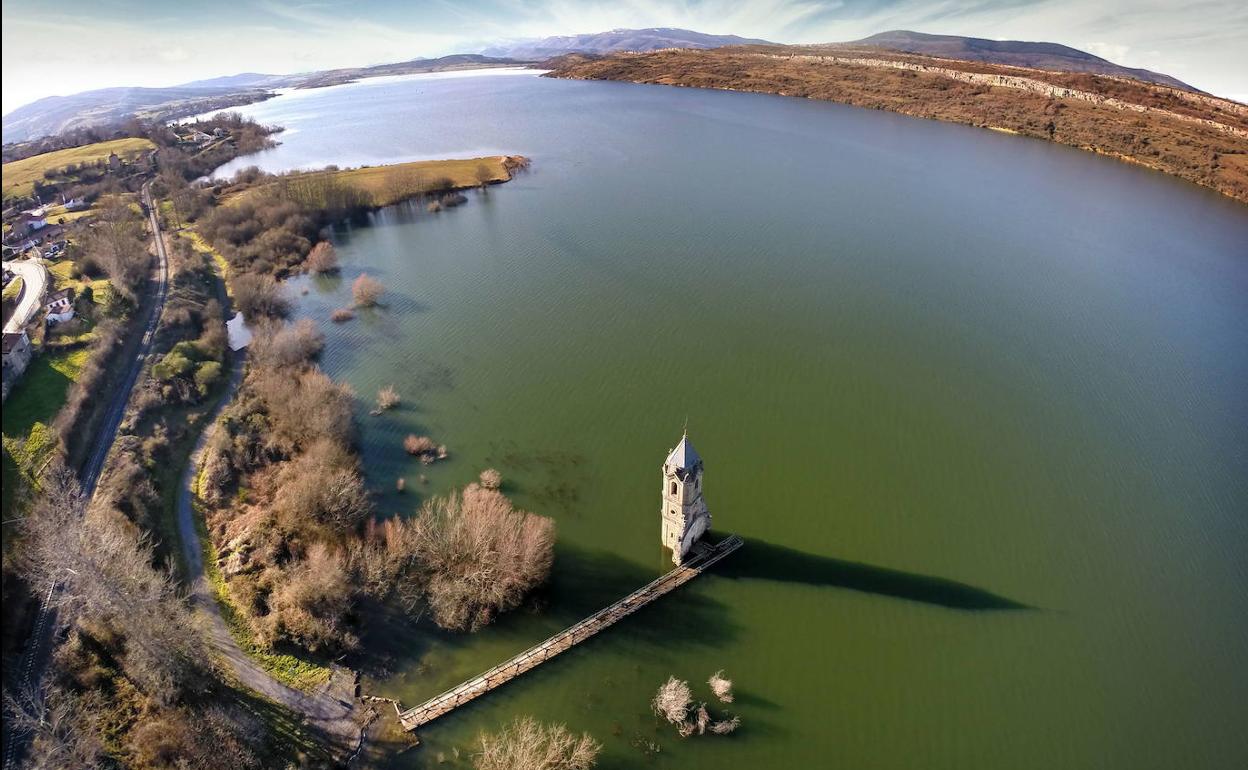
{"x":684,"y":456}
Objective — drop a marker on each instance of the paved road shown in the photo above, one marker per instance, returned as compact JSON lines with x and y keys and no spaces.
{"x":35,"y":659}
{"x":330,"y":707}
{"x":34,"y":284}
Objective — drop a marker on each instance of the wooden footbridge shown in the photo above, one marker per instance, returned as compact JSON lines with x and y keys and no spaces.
{"x":701,"y":558}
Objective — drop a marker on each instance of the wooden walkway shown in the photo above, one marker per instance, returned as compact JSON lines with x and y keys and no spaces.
{"x":703,"y":557}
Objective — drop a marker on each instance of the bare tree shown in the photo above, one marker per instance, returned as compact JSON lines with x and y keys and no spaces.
{"x":366,"y":290}
{"x":323,"y":258}
{"x":527,"y":744}
{"x":721,"y":686}
{"x":484,"y":175}
{"x":491,"y":479}
{"x":387,"y":398}
{"x":673,"y":700}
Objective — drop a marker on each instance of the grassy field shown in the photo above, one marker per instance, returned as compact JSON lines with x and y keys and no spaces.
{"x":20,"y":175}
{"x":14,"y":289}
{"x":57,"y":215}
{"x":29,"y":410}
{"x":386,"y":185}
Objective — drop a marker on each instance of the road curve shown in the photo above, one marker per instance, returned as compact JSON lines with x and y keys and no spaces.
{"x":328,"y":708}
{"x":34,"y":284}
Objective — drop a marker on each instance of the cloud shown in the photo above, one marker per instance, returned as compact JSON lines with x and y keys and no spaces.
{"x":130,"y":42}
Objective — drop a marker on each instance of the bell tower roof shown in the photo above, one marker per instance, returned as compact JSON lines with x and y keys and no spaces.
{"x":684,"y":456}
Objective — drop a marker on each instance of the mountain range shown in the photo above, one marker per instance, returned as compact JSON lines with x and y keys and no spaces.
{"x":109,"y":106}
{"x":1019,"y":53}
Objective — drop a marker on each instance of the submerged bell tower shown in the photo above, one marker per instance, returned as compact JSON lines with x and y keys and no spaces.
{"x":685,"y":517}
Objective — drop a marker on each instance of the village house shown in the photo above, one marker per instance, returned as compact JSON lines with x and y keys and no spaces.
{"x":28,"y":222}
{"x":17,"y":353}
{"x":59,"y":306}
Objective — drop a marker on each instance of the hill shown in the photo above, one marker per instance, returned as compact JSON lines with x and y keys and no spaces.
{"x":1019,"y":53}
{"x":1194,"y":136}
{"x":616,"y":40}
{"x":21,"y":175}
{"x":458,"y":61}
{"x":111,"y":106}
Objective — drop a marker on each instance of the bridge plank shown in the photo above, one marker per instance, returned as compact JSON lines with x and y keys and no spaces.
{"x":704,"y":557}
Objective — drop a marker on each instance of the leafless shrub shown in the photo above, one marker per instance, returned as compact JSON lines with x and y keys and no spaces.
{"x":725,"y":726}
{"x":103,"y":567}
{"x":279,"y":345}
{"x":259,"y":296}
{"x":310,"y":604}
{"x":322,"y":259}
{"x":701,"y":718}
{"x":673,"y":700}
{"x":481,"y":556}
{"x":341,"y":315}
{"x":324,"y":484}
{"x":58,"y":725}
{"x":424,"y":448}
{"x":387,"y":398}
{"x":721,"y":686}
{"x":491,"y":479}
{"x":366,"y":290}
{"x":527,"y":744}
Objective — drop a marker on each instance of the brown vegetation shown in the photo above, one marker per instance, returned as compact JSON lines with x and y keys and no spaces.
{"x":527,"y":744}
{"x":387,"y":398}
{"x":342,"y":315}
{"x":1201,"y":139}
{"x":366,"y":290}
{"x":481,"y":556}
{"x":674,"y":702}
{"x":322,"y":259}
{"x":491,"y":479}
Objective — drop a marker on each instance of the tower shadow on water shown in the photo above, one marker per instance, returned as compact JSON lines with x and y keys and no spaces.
{"x":761,"y":560}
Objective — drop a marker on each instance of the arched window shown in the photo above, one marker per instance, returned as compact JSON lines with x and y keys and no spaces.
{"x":673,"y":487}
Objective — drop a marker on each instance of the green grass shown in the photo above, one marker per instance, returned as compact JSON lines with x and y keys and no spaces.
{"x":292,"y":670}
{"x":34,"y":402}
{"x":20,"y":175}
{"x":13,"y":290}
{"x":219,"y":262}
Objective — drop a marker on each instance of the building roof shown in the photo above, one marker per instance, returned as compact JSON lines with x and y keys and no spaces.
{"x":67,"y":293}
{"x":12,"y":340}
{"x":684,"y":456}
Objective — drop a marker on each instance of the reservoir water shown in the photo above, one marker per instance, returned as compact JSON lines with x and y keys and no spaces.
{"x":977,"y":403}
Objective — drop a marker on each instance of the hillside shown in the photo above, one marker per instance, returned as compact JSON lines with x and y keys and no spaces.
{"x":111,"y":106}
{"x":459,"y":61}
{"x":1044,"y":56}
{"x":21,"y":175}
{"x":616,"y":40}
{"x":1193,"y":136}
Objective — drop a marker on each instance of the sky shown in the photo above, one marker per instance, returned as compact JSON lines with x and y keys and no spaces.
{"x":67,"y":46}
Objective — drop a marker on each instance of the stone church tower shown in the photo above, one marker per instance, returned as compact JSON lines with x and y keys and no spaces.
{"x":685,"y":517}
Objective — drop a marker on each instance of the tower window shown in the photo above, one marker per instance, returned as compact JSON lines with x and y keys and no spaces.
{"x":673,"y":487}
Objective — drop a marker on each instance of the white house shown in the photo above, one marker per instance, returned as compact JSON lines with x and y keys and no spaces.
{"x":59,"y":306}
{"x":16,"y":358}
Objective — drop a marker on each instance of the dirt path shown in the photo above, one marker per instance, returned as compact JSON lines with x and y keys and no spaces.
{"x":330,"y":708}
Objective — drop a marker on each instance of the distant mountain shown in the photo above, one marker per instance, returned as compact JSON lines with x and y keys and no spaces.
{"x":243,"y":80}
{"x":110,"y":106}
{"x":1047,"y":56}
{"x":457,"y":61}
{"x":615,"y":40}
